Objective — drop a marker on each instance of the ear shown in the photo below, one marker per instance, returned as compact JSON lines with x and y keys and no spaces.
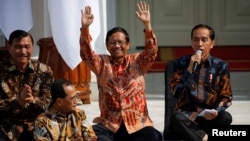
{"x":128,"y":45}
{"x":59,"y":101}
{"x":212,"y":44}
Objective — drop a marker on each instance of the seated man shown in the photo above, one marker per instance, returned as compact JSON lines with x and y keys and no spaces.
{"x":24,"y":89}
{"x":201,"y":83}
{"x":120,"y":76}
{"x":63,"y":121}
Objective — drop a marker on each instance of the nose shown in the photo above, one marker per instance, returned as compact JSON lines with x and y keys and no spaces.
{"x":200,"y":42}
{"x":75,"y":101}
{"x":22,"y":49}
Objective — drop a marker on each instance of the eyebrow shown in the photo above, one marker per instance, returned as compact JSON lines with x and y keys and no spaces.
{"x":75,"y":96}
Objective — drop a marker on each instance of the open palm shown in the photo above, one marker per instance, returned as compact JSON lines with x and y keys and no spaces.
{"x":143,"y":12}
{"x":87,"y":16}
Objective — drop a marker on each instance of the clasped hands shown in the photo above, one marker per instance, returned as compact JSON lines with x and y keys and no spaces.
{"x":25,"y":96}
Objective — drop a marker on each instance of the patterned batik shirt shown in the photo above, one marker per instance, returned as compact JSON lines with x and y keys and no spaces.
{"x":121,"y":86}
{"x":52,"y":126}
{"x":13,"y":116}
{"x":207,"y":88}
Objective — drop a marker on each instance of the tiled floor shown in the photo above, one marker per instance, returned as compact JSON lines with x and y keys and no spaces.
{"x":156,"y":112}
{"x":155,"y":98}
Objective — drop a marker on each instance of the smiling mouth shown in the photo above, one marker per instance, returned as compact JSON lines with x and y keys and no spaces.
{"x":118,"y":50}
{"x":22,"y":56}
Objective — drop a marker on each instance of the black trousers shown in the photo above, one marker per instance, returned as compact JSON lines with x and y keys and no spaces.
{"x":145,"y":134}
{"x":186,"y":129}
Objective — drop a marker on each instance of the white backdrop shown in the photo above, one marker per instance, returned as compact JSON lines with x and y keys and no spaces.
{"x":15,"y":14}
{"x":65,"y":20}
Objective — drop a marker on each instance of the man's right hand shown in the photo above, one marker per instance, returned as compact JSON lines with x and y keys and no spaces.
{"x":87,"y":17}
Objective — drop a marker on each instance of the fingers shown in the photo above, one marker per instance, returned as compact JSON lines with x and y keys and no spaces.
{"x":196,"y":58}
{"x":143,"y":6}
{"x":87,"y":17}
{"x":139,"y":6}
{"x":88,"y":10}
{"x":29,"y":99}
{"x":26,"y":94}
{"x":27,"y":89}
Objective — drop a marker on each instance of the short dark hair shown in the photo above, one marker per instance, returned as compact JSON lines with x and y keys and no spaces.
{"x":212,"y":32}
{"x":19,"y":34}
{"x":117,"y":29}
{"x":57,"y":90}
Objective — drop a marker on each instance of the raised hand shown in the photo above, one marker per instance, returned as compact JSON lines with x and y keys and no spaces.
{"x":143,"y":15}
{"x":87,"y":17}
{"x":143,"y":12}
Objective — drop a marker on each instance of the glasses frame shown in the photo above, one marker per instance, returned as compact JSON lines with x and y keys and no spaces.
{"x":114,"y":43}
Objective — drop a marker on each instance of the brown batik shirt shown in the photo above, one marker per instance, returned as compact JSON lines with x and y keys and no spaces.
{"x":53,"y":126}
{"x":13,"y":116}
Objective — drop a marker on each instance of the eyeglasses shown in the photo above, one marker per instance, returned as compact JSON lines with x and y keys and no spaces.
{"x":120,"y":43}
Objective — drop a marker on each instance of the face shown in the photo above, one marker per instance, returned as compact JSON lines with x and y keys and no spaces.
{"x":201,"y":40}
{"x":117,"y":46}
{"x":21,"y":51}
{"x":69,"y":103}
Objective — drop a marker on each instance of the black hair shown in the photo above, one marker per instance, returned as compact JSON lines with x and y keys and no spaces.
{"x":117,"y":29}
{"x":19,"y":34}
{"x":57,"y":90}
{"x":212,"y":33}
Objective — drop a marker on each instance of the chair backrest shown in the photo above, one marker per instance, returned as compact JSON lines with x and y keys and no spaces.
{"x":170,"y":101}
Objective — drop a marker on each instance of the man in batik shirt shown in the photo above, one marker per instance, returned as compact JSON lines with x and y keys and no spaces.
{"x":120,"y":77}
{"x":63,"y":121}
{"x":203,"y":91}
{"x":24,"y":88}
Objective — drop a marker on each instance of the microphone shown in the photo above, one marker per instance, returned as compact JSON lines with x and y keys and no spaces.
{"x":199,"y":52}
